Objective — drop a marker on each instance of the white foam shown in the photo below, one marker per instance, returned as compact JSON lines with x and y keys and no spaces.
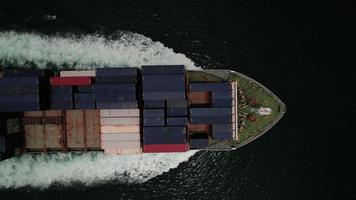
{"x":87,"y":168}
{"x":129,"y":49}
{"x":88,"y":51}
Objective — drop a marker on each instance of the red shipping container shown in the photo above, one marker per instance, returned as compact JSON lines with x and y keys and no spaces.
{"x":160,"y":148}
{"x":198,"y":97}
{"x":58,"y":81}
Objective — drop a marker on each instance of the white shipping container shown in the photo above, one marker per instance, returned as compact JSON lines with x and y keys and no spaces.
{"x":120,"y":137}
{"x":120,"y":129}
{"x":122,"y":151}
{"x":88,"y":73}
{"x":119,"y":121}
{"x":120,"y":145}
{"x":120,"y":113}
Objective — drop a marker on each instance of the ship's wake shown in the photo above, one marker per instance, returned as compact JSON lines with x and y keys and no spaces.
{"x":129,"y":49}
{"x":41,"y":171}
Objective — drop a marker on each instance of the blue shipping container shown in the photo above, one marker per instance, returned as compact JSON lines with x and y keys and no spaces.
{"x":84,"y":97}
{"x":117,"y":71}
{"x":178,"y":121}
{"x":62,"y":89}
{"x":156,"y":79}
{"x":222,"y":103}
{"x":85,"y":105}
{"x":116,"y":105}
{"x":154,"y":104}
{"x":19,"y":107}
{"x":122,"y":96}
{"x":199,"y":143}
{"x":147,"y":113}
{"x":7,"y":81}
{"x":110,"y":88}
{"x":116,"y":79}
{"x":164,"y":135}
{"x":19,"y":98}
{"x":210,"y":120}
{"x":157,"y":121}
{"x":182,"y":103}
{"x":222,"y":135}
{"x":163,"y":69}
{"x":176,"y":112}
{"x":163,"y":87}
{"x":86,"y":89}
{"x":24,"y":73}
{"x":215,"y":87}
{"x":210,"y":112}
{"x":62,"y":105}
{"x":19,"y":89}
{"x":222,"y":95}
{"x":163,"y":95}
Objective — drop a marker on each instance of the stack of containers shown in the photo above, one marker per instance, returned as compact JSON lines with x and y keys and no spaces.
{"x":120,"y":131}
{"x":62,"y":90}
{"x":10,"y":136}
{"x":220,"y":113}
{"x":20,"y":91}
{"x":165,"y":109}
{"x":83,"y":95}
{"x":115,"y":88}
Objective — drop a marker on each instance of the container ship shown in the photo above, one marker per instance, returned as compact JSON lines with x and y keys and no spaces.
{"x":126,"y":110}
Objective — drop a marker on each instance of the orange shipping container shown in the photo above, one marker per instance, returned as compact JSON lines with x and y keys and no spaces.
{"x":120,"y":137}
{"x":120,"y":129}
{"x":83,"y":129}
{"x":122,"y":151}
{"x":120,"y":113}
{"x":198,"y":128}
{"x":44,"y":136}
{"x":198,"y":97}
{"x":89,"y":73}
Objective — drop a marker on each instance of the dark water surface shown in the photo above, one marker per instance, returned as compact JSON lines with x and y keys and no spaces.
{"x":302,"y":52}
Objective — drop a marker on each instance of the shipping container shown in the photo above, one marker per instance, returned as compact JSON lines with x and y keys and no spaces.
{"x":117,"y":71}
{"x":158,"y":148}
{"x":182,"y":103}
{"x":176,"y":112}
{"x":84,"y":97}
{"x":154,"y":104}
{"x":86,"y":89}
{"x":88,"y":73}
{"x":177,"y":121}
{"x":166,"y":86}
{"x":157,"y":121}
{"x":121,"y":144}
{"x":193,"y":128}
{"x":120,"y":129}
{"x":122,"y":96}
{"x":163,"y":95}
{"x":19,"y":98}
{"x":221,"y":95}
{"x":116,"y":79}
{"x":199,"y":143}
{"x":124,"y":151}
{"x":222,"y":103}
{"x":24,"y":73}
{"x":19,"y":90}
{"x":16,"y":107}
{"x":170,"y":79}
{"x":205,"y":112}
{"x":62,"y":105}
{"x":19,"y":81}
{"x":121,"y":137}
{"x":199,"y":97}
{"x":62,"y":89}
{"x":120,"y":121}
{"x":210,"y":120}
{"x":164,"y":135}
{"x":162,"y":69}
{"x":42,"y":137}
{"x":222,"y":135}
{"x":117,"y":105}
{"x":120,"y":113}
{"x":75,"y":81}
{"x":84,"y":105}
{"x":215,"y":87}
{"x":150,"y":113}
{"x":113,"y":88}
{"x":83,"y":129}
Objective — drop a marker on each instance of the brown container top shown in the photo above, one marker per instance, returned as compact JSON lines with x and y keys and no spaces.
{"x":198,"y":97}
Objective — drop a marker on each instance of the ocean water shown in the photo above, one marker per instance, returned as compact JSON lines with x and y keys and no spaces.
{"x":300,"y":51}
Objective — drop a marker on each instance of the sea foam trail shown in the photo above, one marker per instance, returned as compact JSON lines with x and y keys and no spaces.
{"x":129,"y":49}
{"x":90,"y":51}
{"x":41,"y":171}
